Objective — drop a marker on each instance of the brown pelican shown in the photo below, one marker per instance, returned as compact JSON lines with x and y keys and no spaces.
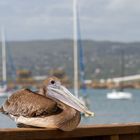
{"x":53,"y":107}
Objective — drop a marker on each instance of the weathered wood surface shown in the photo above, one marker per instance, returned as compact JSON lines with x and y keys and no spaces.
{"x":92,"y":132}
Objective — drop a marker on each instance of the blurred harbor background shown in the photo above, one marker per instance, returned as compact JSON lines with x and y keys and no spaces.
{"x":39,"y":42}
{"x":31,"y":61}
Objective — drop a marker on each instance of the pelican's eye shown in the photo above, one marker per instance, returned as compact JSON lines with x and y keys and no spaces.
{"x":52,"y":82}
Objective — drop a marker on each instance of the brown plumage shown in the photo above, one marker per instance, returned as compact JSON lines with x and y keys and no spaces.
{"x":28,"y":104}
{"x":41,"y":110}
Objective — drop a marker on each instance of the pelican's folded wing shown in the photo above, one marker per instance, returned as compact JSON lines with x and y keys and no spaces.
{"x":29,"y":104}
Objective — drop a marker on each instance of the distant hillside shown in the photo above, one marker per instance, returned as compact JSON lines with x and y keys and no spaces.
{"x":102,"y":58}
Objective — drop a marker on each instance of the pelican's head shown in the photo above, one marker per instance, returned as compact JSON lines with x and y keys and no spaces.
{"x":56,"y":91}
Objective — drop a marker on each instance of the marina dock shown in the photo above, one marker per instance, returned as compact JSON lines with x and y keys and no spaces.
{"x":129,"y":131}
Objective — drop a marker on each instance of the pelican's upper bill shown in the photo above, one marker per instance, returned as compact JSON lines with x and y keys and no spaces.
{"x":59,"y":92}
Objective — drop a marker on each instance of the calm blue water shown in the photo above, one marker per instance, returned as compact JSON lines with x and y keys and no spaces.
{"x":107,"y":111}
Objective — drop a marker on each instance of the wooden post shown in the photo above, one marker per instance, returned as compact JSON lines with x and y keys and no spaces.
{"x":114,"y":137}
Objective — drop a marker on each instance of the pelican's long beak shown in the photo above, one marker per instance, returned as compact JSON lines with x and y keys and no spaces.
{"x":64,"y":95}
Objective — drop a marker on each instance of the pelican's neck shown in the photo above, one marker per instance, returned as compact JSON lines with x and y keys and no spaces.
{"x":42,"y":91}
{"x":71,"y":121}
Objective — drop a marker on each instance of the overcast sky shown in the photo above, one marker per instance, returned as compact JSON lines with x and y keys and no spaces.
{"x":115,"y":20}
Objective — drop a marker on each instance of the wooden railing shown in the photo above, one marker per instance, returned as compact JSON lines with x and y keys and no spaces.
{"x":94,"y":132}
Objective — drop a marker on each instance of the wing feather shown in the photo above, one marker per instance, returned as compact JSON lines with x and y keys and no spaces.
{"x":29,"y":104}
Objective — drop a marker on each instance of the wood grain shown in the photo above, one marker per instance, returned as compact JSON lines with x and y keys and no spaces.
{"x":102,"y":132}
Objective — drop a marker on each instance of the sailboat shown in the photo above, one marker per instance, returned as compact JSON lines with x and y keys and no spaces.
{"x":78,"y":50}
{"x":4,"y":92}
{"x":120,"y":93}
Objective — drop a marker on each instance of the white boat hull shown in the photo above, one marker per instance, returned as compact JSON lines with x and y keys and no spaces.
{"x":5,"y":94}
{"x":119,"y":95}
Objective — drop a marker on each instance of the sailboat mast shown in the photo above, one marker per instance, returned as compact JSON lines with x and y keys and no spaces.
{"x":75,"y":49}
{"x":122,"y":69}
{"x":81,"y":55}
{"x":4,"y":78}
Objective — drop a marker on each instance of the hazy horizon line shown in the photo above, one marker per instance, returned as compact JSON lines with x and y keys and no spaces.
{"x":96,"y":40}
